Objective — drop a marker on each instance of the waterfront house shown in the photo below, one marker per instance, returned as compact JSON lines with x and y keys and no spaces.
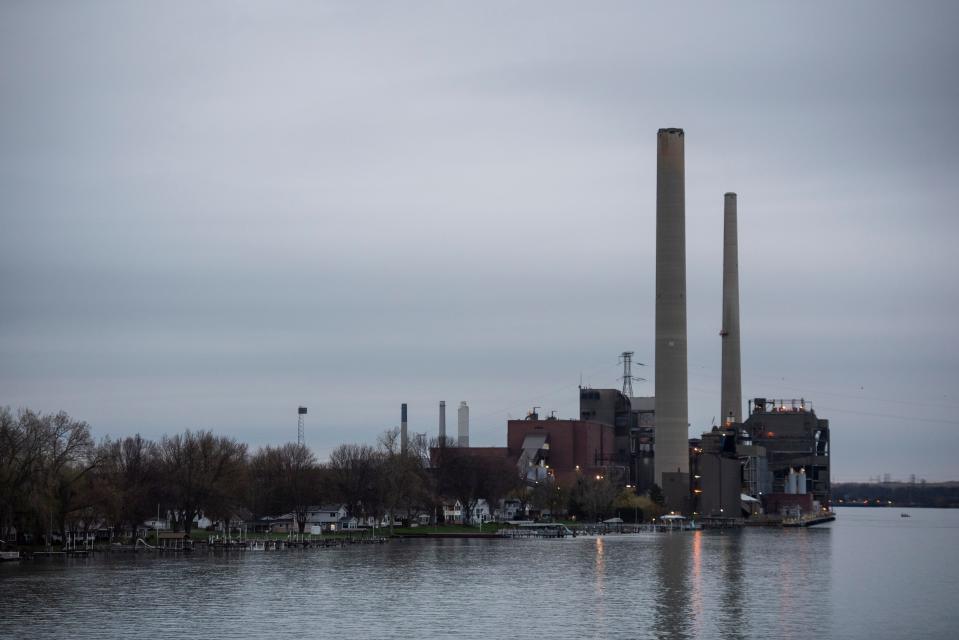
{"x":333,"y":517}
{"x":453,"y":514}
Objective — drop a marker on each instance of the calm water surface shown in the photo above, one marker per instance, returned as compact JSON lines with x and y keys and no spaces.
{"x":871,"y":574}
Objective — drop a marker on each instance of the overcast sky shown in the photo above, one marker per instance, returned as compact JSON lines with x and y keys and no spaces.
{"x":211,"y":213}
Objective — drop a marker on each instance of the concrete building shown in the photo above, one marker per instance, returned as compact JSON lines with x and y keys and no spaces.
{"x":672,"y":420}
{"x":795,"y":440}
{"x":634,"y":423}
{"x":463,"y":425}
{"x":643,"y":442}
{"x":731,"y":395}
{"x":727,"y":472}
{"x":611,"y":407}
{"x":716,"y":475}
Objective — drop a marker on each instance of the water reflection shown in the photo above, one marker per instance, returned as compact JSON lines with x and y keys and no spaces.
{"x":731,"y":618}
{"x":672,"y":612}
{"x":732,"y":584}
{"x":600,"y":585}
{"x":696,"y":594}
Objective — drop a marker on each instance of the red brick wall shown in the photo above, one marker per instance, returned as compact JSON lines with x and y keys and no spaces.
{"x":571,"y":442}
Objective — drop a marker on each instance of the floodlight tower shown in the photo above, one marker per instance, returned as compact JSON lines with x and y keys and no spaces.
{"x":300,"y":419}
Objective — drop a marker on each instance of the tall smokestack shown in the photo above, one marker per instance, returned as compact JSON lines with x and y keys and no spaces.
{"x":463,"y":425}
{"x":731,"y":394}
{"x":442,"y":422}
{"x":671,"y":469}
{"x":404,"y":436}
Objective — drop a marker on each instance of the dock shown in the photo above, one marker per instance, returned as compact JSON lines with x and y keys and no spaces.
{"x":809,"y":520}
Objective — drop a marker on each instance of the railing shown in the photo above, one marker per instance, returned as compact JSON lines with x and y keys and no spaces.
{"x":794,"y":405}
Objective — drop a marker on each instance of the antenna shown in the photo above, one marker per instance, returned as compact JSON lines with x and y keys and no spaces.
{"x":300,"y":419}
{"x":626,"y":357}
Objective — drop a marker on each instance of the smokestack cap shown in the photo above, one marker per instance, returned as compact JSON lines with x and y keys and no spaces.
{"x":672,"y":130}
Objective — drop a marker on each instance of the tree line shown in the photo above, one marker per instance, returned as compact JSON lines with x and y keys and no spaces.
{"x":940,"y":495}
{"x":55,"y":478}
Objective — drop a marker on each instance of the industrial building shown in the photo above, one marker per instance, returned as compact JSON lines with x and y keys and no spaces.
{"x":796,"y":441}
{"x":634,"y":428}
{"x":728,"y":473}
{"x":563,"y":449}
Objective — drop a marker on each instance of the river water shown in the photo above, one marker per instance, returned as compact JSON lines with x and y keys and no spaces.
{"x":871,"y":574}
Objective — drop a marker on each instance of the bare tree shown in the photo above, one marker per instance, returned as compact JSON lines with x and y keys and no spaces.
{"x":467,"y":477}
{"x":502,"y":479}
{"x":354,"y":478}
{"x":265,"y":472}
{"x":43,"y":458}
{"x":402,"y":475}
{"x":21,"y":453}
{"x":201,"y":474}
{"x":128,"y":476}
{"x":300,"y":482}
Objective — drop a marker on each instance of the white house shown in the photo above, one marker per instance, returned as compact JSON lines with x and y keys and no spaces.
{"x":454,"y":513}
{"x":330,"y":518}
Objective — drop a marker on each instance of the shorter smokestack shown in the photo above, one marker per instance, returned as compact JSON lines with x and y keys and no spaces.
{"x":442,"y":422}
{"x":731,"y":395}
{"x":404,"y":437}
{"x":463,"y":426}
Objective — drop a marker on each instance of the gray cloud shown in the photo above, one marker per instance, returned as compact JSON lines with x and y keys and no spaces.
{"x":211,"y":214}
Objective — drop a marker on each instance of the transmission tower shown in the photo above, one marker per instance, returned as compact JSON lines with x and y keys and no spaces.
{"x":626,"y":357}
{"x":300,"y":419}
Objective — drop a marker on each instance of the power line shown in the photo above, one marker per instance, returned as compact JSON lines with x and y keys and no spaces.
{"x":889,"y":415}
{"x":819,"y":392}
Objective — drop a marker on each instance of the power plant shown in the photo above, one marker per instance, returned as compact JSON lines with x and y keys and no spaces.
{"x":771,"y":467}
